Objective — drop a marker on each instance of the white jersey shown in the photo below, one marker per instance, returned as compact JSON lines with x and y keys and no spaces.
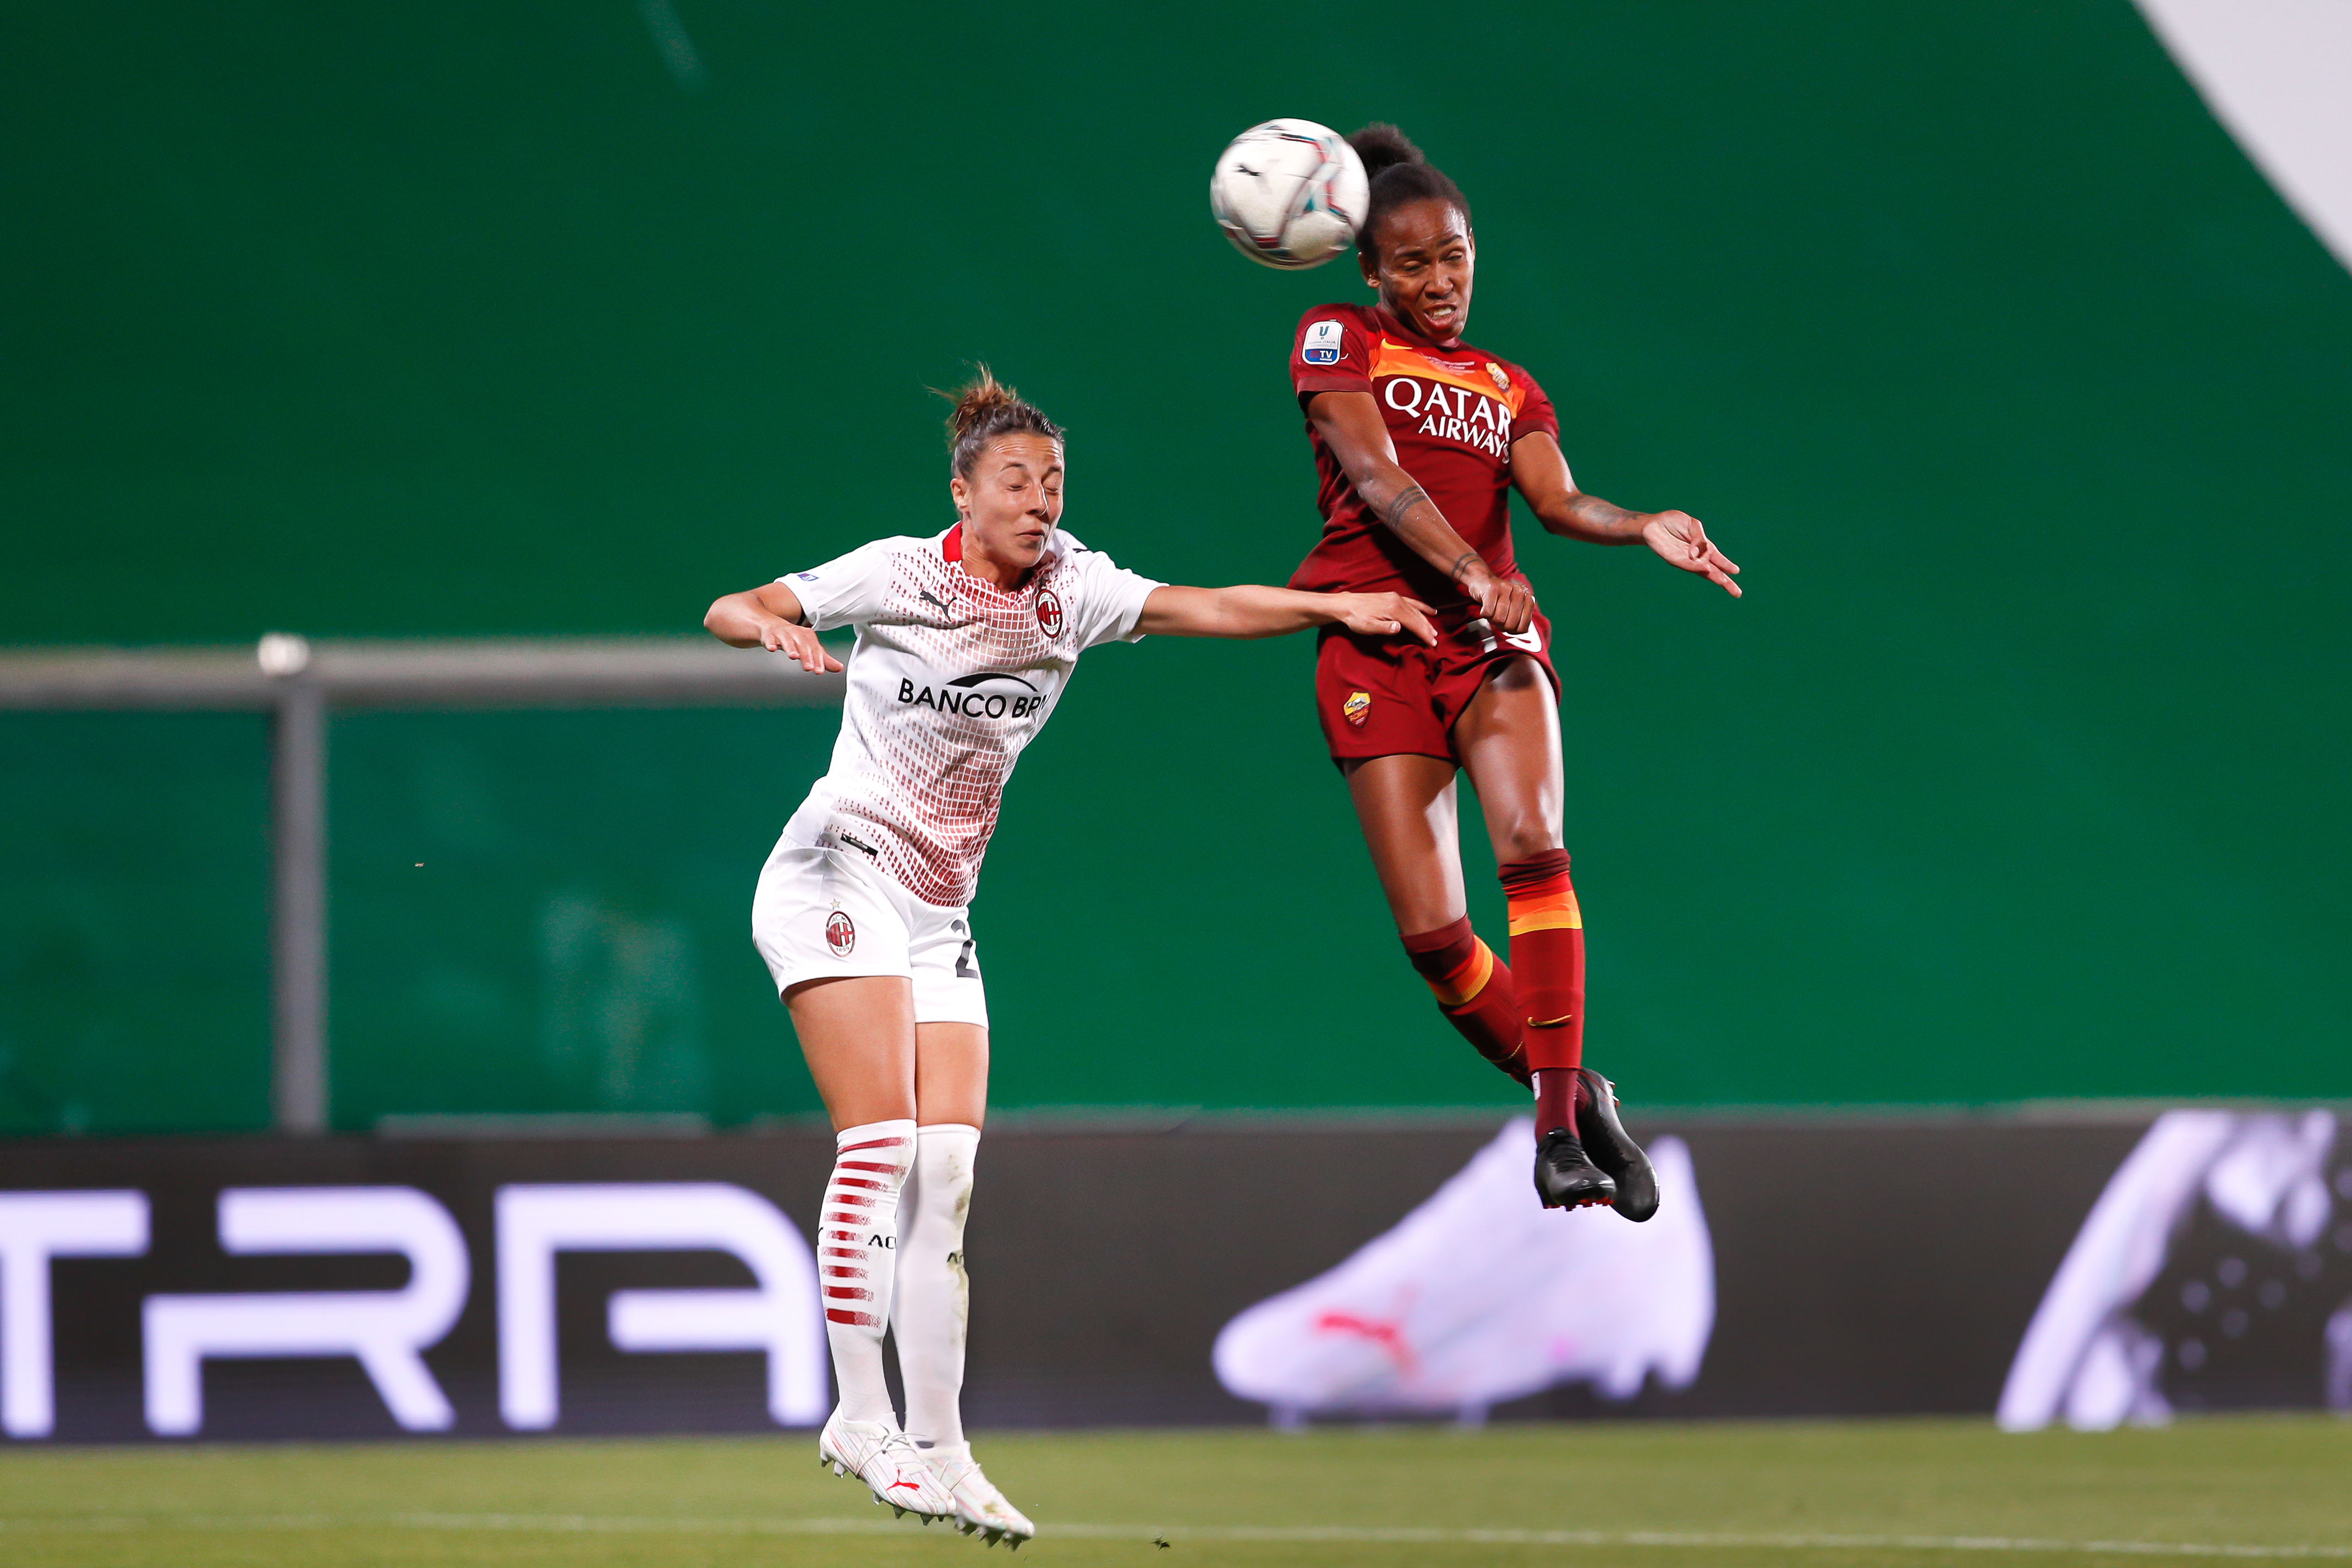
{"x":951,"y":678}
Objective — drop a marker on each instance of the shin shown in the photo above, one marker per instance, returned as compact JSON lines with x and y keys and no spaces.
{"x":1548,"y":959}
{"x":856,"y":1254}
{"x":1473,"y":990}
{"x":930,"y":1309}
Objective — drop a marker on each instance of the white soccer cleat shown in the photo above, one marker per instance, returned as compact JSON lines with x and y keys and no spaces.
{"x":979,"y":1508}
{"x":1479,"y":1296}
{"x":887,"y":1461}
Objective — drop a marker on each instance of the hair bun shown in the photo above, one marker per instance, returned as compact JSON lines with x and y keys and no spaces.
{"x":985,"y":408}
{"x":1396,"y":173}
{"x":975,"y":400}
{"x":1383,"y":146}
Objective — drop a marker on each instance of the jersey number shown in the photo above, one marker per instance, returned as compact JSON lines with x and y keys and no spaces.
{"x":965,"y":968}
{"x":1528,"y":641}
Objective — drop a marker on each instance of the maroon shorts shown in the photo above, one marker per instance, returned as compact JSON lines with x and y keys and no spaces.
{"x":1377,"y":697}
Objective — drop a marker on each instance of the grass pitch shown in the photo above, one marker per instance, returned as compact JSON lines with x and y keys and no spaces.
{"x":1909,"y":1494}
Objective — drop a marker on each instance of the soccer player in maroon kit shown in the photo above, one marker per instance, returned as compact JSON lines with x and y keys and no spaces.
{"x":1418,"y":440}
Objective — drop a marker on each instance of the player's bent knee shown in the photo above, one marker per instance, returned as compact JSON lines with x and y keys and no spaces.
{"x":1523,"y":837}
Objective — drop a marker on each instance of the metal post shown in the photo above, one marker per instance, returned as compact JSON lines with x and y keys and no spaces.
{"x":299,"y":687}
{"x":298,"y":842}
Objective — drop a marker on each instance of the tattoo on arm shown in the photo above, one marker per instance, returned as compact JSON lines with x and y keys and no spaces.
{"x":1604,"y":518}
{"x":1403,"y":501}
{"x":1397,"y":508}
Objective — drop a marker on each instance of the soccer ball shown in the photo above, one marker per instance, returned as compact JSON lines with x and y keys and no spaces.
{"x":1289,"y":193}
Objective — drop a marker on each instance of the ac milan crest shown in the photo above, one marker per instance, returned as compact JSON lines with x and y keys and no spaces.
{"x":1049,"y":613}
{"x":840,"y":933}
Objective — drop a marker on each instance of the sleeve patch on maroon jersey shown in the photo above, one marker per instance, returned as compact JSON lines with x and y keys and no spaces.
{"x":1322,"y":344}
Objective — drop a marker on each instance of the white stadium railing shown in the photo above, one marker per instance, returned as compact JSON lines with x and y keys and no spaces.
{"x":299,"y":683}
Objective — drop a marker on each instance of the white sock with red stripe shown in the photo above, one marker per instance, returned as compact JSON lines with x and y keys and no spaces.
{"x":928,"y":1313}
{"x":856,"y":1254}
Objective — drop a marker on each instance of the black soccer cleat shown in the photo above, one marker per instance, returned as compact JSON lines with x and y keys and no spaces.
{"x":1565,"y":1177}
{"x":1604,"y":1140}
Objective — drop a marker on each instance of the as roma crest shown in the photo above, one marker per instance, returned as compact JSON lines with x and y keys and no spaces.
{"x":1049,"y":613}
{"x":1356,"y":708}
{"x":1501,"y":377}
{"x":840,"y":933}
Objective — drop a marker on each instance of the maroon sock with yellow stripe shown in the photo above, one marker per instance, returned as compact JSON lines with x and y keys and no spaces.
{"x":1473,"y":991}
{"x":1548,"y":962}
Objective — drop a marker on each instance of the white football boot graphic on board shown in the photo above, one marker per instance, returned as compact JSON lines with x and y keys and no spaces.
{"x":1481,"y":1295}
{"x":887,"y":1461}
{"x":2118,"y":1322}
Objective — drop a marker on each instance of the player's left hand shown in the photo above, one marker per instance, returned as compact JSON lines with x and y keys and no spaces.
{"x":1386,"y":615}
{"x":797,"y":643}
{"x":1681,"y":540}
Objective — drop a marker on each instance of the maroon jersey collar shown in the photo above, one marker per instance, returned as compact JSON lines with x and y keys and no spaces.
{"x":1397,"y":329}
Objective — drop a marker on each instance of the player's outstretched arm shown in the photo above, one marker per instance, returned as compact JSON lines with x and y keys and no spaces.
{"x":1351,"y":425}
{"x":767,"y":617}
{"x":1251,"y":611}
{"x":1540,"y":473}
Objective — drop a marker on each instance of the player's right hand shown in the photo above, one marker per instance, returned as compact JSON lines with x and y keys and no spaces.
{"x":1505,"y":602}
{"x":1386,"y":615}
{"x":799,"y":643}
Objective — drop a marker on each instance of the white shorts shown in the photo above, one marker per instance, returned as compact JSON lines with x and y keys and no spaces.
{"x":822,"y":912}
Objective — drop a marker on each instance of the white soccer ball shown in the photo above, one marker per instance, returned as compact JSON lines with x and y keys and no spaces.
{"x":1289,"y":193}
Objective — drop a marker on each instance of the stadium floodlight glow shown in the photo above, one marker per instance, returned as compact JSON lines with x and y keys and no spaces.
{"x":387,"y":1331}
{"x":781,"y":1317}
{"x":34,"y":1228}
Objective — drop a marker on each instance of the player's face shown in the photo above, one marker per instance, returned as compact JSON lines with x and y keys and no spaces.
{"x":1013,"y":500}
{"x":1426,"y":259}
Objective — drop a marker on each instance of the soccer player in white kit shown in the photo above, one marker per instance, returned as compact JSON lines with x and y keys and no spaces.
{"x":965,"y":641}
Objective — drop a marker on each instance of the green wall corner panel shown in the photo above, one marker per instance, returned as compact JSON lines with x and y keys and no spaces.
{"x":134,"y":936}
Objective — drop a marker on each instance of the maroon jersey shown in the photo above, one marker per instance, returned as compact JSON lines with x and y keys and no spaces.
{"x":1452,"y":413}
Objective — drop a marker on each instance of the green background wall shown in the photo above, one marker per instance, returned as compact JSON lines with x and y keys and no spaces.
{"x":2019,"y":395}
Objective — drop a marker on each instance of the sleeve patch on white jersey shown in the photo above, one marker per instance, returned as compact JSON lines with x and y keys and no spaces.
{"x":849,"y":590}
{"x":1322,"y":344}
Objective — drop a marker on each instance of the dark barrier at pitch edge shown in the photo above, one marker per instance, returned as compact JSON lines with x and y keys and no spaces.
{"x":662,"y":1284}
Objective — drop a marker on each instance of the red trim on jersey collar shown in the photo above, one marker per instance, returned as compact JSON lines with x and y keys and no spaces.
{"x":952,"y":549}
